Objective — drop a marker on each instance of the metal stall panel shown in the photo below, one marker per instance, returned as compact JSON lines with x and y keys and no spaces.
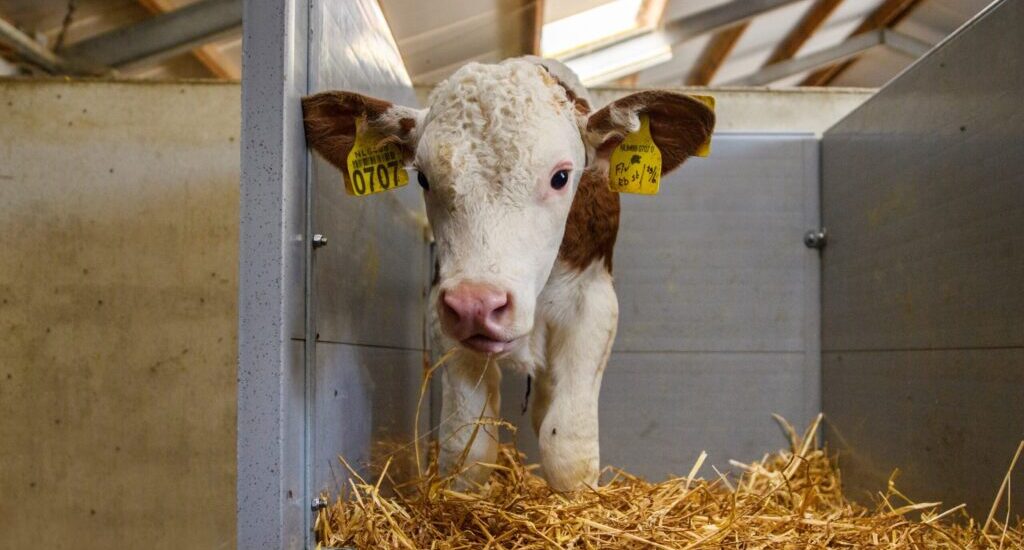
{"x":719,"y":310}
{"x":923,"y":311}
{"x":272,"y":505}
{"x":370,"y":281}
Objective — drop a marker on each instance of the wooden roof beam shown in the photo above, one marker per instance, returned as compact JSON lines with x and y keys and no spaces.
{"x":813,"y":18}
{"x":714,"y":55}
{"x":537,"y":28}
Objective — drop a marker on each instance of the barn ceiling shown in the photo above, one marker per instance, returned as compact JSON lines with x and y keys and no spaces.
{"x":609,"y":42}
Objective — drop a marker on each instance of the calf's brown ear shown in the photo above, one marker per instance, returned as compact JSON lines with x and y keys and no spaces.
{"x":330,"y":120}
{"x":679,"y":125}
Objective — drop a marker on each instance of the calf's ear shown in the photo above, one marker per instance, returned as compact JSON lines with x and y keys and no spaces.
{"x":679,"y":125}
{"x":330,"y":119}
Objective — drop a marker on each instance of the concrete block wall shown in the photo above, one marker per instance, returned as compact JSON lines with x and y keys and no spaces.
{"x":118,"y":314}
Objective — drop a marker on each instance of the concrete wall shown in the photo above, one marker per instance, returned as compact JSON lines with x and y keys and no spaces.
{"x":118,"y":292}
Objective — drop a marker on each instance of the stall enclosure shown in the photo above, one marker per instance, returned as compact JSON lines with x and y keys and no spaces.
{"x":720,"y":297}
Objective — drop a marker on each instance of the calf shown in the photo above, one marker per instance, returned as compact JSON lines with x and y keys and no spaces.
{"x":514,"y":170}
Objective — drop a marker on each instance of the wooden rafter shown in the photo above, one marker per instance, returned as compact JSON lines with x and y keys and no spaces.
{"x":813,"y":18}
{"x":537,"y":28}
{"x":650,"y":13}
{"x":209,"y":55}
{"x":714,"y":54}
{"x":628,"y":81}
{"x":887,"y":15}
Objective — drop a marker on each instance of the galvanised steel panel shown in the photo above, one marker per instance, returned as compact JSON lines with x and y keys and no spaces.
{"x":369,"y":280}
{"x":719,"y":310}
{"x":369,"y":283}
{"x":923,"y":313}
{"x":949,"y":420}
{"x":365,"y":412}
{"x":659,"y":410}
{"x":716,"y":261}
{"x":924,"y":201}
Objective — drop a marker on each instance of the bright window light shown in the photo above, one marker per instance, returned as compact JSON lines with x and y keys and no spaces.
{"x":590,"y":26}
{"x":633,"y":55}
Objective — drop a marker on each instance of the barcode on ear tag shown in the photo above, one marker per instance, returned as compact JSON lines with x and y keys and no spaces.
{"x":705,"y":148}
{"x":635,"y":165}
{"x":373,"y":167}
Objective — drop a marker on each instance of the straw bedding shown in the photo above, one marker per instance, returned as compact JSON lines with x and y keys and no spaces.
{"x":790,"y":499}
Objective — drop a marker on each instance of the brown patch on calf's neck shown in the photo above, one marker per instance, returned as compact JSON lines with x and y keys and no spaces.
{"x":593,"y":223}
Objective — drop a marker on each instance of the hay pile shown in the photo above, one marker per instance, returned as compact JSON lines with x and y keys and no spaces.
{"x":791,"y":499}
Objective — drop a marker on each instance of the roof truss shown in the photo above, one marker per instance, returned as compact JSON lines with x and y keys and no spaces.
{"x":887,"y":15}
{"x":849,"y":49}
{"x":161,"y":36}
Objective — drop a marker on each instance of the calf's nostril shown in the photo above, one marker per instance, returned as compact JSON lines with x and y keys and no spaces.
{"x":450,"y":307}
{"x":501,"y":307}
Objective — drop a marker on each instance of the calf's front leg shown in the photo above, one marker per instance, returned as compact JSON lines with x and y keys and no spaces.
{"x":470,"y":392}
{"x":470,"y":389}
{"x":583,"y":317}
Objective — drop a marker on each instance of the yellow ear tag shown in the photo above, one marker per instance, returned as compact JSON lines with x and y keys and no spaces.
{"x":705,"y":149}
{"x":373,"y":168}
{"x":635,"y":165}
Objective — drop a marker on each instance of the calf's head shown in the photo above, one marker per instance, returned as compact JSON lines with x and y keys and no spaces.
{"x":500,"y":152}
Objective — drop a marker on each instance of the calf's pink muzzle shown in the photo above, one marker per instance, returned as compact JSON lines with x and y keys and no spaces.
{"x":477,"y":315}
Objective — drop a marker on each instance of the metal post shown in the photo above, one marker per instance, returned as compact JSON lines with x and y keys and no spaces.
{"x":273,"y":507}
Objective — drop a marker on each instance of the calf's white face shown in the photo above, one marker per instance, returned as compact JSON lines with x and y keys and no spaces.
{"x":500,"y":156}
{"x":499,"y":153}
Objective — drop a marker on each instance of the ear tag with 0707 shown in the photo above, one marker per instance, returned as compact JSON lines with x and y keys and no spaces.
{"x":374,"y":166}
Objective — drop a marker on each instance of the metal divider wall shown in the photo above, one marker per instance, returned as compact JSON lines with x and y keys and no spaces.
{"x":923,"y":306}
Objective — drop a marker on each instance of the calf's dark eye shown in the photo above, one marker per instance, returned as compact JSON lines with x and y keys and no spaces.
{"x":423,"y":181}
{"x":560,"y":178}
